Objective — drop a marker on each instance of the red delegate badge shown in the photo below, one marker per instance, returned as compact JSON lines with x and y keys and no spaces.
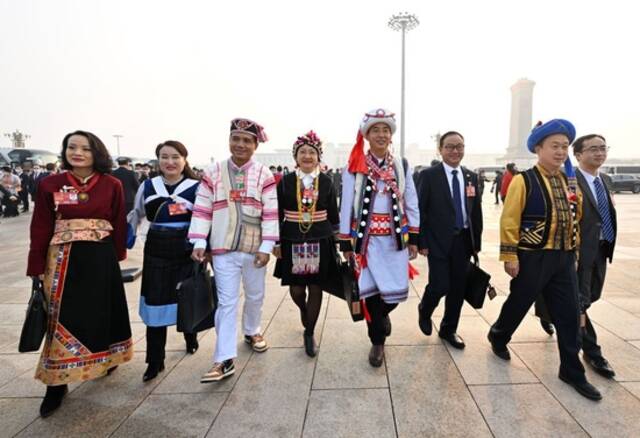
{"x":65,"y":198}
{"x":471,"y":191}
{"x":236,"y":195}
{"x":177,"y":208}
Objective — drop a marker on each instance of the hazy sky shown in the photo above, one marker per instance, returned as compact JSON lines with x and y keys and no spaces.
{"x":157,"y":70}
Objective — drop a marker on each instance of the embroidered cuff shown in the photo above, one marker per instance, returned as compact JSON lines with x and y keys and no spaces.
{"x":266,"y":246}
{"x":508,"y":253}
{"x":199,"y":243}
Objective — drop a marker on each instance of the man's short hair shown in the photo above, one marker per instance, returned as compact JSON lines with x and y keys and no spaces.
{"x":448,"y":134}
{"x":578,"y":144}
{"x":123,"y":161}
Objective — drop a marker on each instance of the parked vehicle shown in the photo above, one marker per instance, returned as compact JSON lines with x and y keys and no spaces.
{"x":625,"y":183}
{"x":19,"y":156}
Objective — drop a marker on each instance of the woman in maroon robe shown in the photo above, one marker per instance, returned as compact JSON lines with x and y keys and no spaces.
{"x":78,"y":235}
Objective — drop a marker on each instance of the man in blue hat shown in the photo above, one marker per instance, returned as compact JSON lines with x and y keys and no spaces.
{"x":538,"y":242}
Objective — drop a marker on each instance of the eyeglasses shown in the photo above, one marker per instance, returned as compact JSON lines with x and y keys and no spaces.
{"x":454,"y":147}
{"x":594,"y":149}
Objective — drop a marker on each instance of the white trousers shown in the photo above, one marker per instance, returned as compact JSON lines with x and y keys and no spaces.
{"x":228,"y":269}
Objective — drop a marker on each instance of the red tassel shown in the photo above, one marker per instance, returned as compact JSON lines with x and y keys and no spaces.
{"x":357,"y":161}
{"x":367,"y":315}
{"x":413,"y":272}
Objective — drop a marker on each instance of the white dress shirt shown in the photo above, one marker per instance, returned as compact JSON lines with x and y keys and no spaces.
{"x":463,"y":197}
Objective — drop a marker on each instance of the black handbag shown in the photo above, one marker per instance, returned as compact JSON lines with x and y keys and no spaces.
{"x":197,"y":301}
{"x":35,"y":321}
{"x":350,"y":290}
{"x":477,"y":284}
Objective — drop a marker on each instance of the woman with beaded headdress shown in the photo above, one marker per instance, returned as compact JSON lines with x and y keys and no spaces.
{"x":308,"y":213}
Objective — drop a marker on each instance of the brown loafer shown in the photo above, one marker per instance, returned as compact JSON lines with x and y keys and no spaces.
{"x":376,"y":355}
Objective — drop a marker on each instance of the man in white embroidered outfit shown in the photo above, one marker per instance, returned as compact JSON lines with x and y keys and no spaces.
{"x":379,"y":223}
{"x":237,"y":206}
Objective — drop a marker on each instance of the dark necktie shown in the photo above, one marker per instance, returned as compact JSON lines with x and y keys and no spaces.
{"x":457,"y":200}
{"x":603,"y":209}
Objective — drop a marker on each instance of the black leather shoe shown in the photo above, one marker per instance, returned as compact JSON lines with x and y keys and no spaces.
{"x":585,"y":388}
{"x":191,"y":340}
{"x":309,"y":345}
{"x":424,"y":321}
{"x":453,"y":339}
{"x":600,"y":366}
{"x":152,"y":371}
{"x":376,"y":355}
{"x":387,"y":326}
{"x":499,"y":350}
{"x":52,"y":399}
{"x":547,"y":327}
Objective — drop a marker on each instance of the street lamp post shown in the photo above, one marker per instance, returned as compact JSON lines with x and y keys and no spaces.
{"x":118,"y":137}
{"x":403,"y":22}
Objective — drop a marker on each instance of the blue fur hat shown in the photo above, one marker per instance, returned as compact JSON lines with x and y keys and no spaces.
{"x":554,"y":126}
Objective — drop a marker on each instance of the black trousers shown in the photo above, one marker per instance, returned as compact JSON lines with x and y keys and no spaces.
{"x":378,"y":310}
{"x":552,"y":274}
{"x":24,"y":198}
{"x":156,"y":341}
{"x":447,"y":277}
{"x":590,"y":283}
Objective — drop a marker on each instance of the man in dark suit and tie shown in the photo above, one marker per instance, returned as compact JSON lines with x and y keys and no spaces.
{"x":450,"y":232}
{"x":598,"y":229}
{"x":129,"y":182}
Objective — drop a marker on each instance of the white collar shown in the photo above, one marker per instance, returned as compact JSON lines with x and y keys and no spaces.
{"x":448,"y":168}
{"x":303,"y":175}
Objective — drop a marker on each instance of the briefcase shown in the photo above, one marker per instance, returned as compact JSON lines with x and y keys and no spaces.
{"x":197,"y":301}
{"x":35,"y":322}
{"x":477,"y":285}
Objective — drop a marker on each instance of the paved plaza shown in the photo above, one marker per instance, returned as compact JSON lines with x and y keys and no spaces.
{"x":424,"y":388}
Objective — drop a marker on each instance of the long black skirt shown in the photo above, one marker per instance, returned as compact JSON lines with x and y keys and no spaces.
{"x":88,"y":328}
{"x":167,"y":261}
{"x":328,"y":276}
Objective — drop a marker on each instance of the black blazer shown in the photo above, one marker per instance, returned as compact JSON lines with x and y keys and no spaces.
{"x":437,"y":215}
{"x":590,"y":224}
{"x":130,"y":184}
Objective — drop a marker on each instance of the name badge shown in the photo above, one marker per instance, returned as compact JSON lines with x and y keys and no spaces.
{"x":177,"y":208}
{"x":471,"y":191}
{"x":236,"y":195}
{"x":65,"y":198}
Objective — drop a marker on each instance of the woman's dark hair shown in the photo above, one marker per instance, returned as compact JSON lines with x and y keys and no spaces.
{"x":578,"y":144}
{"x":101,"y":159}
{"x":182,"y":150}
{"x":447,"y":134}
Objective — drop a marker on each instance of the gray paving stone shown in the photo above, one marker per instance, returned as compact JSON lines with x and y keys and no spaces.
{"x":285,"y":329}
{"x":633,"y":388}
{"x":430,"y":397}
{"x":623,"y":357}
{"x":185,"y":377}
{"x":524,"y":410}
{"x":17,"y":413}
{"x":618,"y":414}
{"x":343,"y":360}
{"x":529,"y":329}
{"x":349,"y":413}
{"x":13,"y":365}
{"x":616,"y":320}
{"x":478,"y":364}
{"x":404,"y":320}
{"x":267,"y":401}
{"x":14,"y":295}
{"x":106,"y":402}
{"x":176,"y":415}
{"x":12,"y":314}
